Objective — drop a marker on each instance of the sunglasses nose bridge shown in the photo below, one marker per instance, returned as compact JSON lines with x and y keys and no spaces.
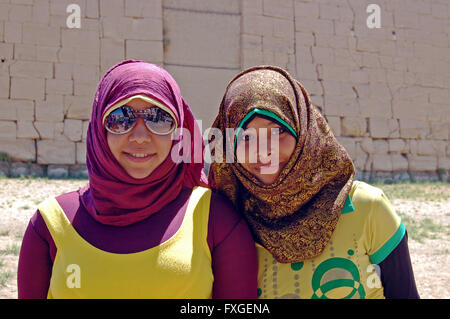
{"x":141,"y":124}
{"x":139,"y":121}
{"x":140,"y":132}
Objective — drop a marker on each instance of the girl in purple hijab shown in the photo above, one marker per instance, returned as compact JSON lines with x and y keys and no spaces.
{"x":145,"y":226}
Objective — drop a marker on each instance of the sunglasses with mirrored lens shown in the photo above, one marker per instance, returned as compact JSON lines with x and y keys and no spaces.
{"x":123,"y":119}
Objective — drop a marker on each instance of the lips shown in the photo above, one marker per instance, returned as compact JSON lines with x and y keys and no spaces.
{"x":268,"y":169}
{"x":138,"y":157}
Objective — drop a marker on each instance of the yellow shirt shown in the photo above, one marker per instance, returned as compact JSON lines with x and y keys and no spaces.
{"x":178,"y":268}
{"x":367,"y":232}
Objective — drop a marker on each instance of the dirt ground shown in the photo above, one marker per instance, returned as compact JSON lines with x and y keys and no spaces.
{"x":426,"y":218}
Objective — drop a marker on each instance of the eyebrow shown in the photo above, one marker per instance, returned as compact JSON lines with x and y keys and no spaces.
{"x":270,"y":124}
{"x":143,"y":110}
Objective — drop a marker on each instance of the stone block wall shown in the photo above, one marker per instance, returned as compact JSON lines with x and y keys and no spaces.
{"x":384,"y":91}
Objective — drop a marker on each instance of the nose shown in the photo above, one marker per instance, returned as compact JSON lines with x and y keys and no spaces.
{"x":264,"y":150}
{"x":140,"y":133}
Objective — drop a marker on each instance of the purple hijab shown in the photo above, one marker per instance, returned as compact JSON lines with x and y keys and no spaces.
{"x":112,"y":196}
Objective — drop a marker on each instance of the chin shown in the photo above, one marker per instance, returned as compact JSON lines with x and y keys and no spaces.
{"x":267,"y":179}
{"x":139,"y":174}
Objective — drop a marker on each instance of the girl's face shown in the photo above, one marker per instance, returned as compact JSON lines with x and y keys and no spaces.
{"x":139,"y":151}
{"x":265,"y":165}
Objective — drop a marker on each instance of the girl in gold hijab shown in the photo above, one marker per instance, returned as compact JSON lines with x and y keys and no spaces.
{"x":318,"y":231}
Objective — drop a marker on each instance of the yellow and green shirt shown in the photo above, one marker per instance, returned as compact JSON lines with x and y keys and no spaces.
{"x":367,"y":232}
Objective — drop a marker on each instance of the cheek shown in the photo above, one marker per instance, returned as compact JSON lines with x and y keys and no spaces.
{"x":241,"y":153}
{"x":163,"y":144}
{"x":246,"y":166}
{"x":114,"y":143}
{"x":287,"y":147}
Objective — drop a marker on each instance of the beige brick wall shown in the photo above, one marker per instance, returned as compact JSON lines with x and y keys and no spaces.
{"x":385,"y":92}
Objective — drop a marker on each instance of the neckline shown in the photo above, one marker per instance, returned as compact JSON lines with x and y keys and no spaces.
{"x":74,"y":234}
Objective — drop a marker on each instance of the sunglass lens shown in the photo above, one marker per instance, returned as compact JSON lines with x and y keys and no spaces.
{"x":120,"y":120}
{"x":159,"y":121}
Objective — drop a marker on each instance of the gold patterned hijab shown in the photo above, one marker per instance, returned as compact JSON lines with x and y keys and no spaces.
{"x":294,"y":217}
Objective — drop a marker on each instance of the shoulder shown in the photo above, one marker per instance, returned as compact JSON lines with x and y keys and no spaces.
{"x":38,"y":224}
{"x":48,"y":209}
{"x":218,"y":203}
{"x":373,"y":206}
{"x":222,"y":208}
{"x":221,"y":201}
{"x":364,"y":193}
{"x":223,"y":216}
{"x":69,"y":197}
{"x":64,"y":200}
{"x":383,"y":229}
{"x":369,"y":199}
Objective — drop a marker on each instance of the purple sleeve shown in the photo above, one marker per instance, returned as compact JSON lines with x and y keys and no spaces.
{"x":234,"y":260}
{"x":35,"y":262}
{"x":397,"y":274}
